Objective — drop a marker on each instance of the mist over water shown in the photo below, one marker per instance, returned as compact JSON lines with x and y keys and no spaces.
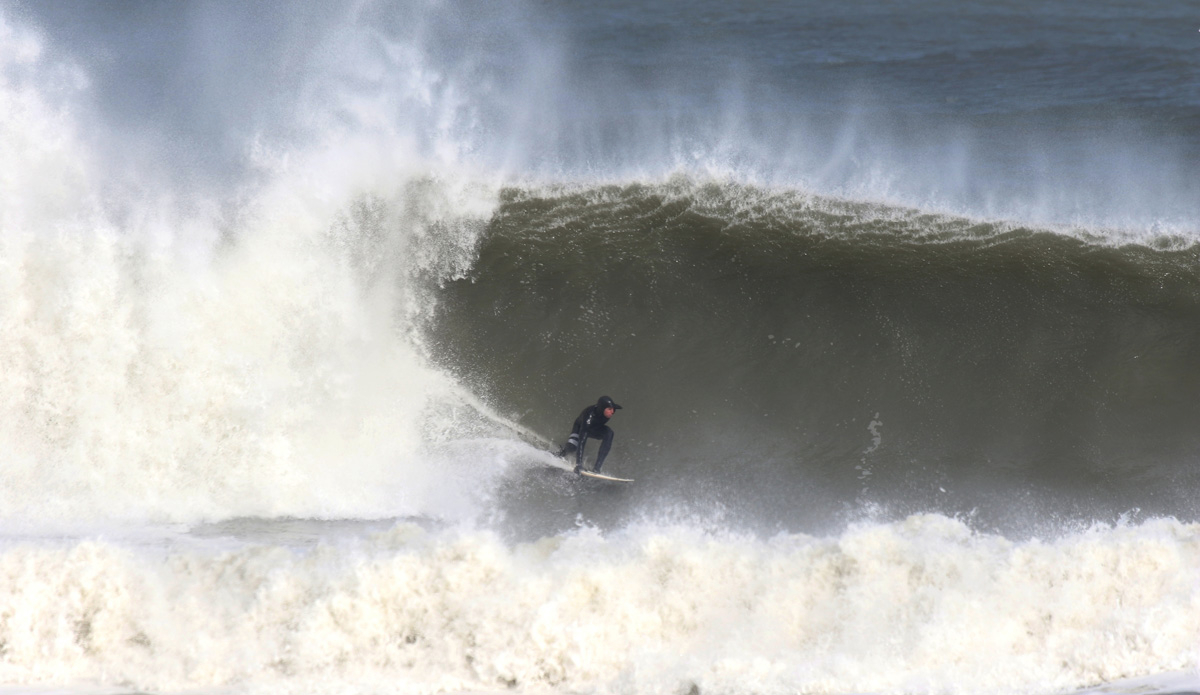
{"x":900,"y":300}
{"x":1067,"y":118}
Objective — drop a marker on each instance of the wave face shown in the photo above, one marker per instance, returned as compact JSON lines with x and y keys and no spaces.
{"x":900,"y":300}
{"x":798,"y":353}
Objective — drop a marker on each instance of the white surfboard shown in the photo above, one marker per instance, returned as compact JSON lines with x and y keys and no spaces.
{"x":562,"y":464}
{"x":608,"y":478}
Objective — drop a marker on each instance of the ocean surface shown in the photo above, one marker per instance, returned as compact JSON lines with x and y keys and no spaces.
{"x":901,"y":300}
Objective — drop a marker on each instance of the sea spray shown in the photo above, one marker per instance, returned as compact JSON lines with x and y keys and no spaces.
{"x":200,"y":362}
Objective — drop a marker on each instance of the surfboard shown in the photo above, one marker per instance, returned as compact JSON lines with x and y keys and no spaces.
{"x":555,"y":462}
{"x":608,"y":478}
{"x":548,"y":458}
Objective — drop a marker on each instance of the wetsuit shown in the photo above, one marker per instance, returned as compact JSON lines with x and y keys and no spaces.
{"x":591,"y":423}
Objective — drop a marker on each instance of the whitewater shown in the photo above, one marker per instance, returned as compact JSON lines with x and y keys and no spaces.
{"x":294,"y":300}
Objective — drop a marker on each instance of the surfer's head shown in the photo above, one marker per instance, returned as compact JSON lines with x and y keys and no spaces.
{"x":607,"y":405}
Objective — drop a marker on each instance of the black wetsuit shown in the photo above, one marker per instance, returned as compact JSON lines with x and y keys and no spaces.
{"x":590,"y":423}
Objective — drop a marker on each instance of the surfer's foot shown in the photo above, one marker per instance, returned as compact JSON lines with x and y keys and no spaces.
{"x":578,"y":469}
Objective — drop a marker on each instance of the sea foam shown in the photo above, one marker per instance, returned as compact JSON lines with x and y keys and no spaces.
{"x":922,"y":605}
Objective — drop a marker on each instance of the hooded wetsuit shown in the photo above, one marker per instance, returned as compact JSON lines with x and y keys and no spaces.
{"x":591,"y":423}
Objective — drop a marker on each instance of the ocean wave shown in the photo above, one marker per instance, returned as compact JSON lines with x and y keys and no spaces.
{"x":754,"y":334}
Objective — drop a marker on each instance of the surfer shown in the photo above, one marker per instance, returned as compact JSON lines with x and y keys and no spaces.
{"x":592,"y":422}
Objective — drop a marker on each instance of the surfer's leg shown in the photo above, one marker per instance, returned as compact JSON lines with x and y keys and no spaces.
{"x":605,"y":445}
{"x":570,"y":447}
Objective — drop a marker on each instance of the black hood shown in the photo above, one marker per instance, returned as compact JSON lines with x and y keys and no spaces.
{"x":606,"y":402}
